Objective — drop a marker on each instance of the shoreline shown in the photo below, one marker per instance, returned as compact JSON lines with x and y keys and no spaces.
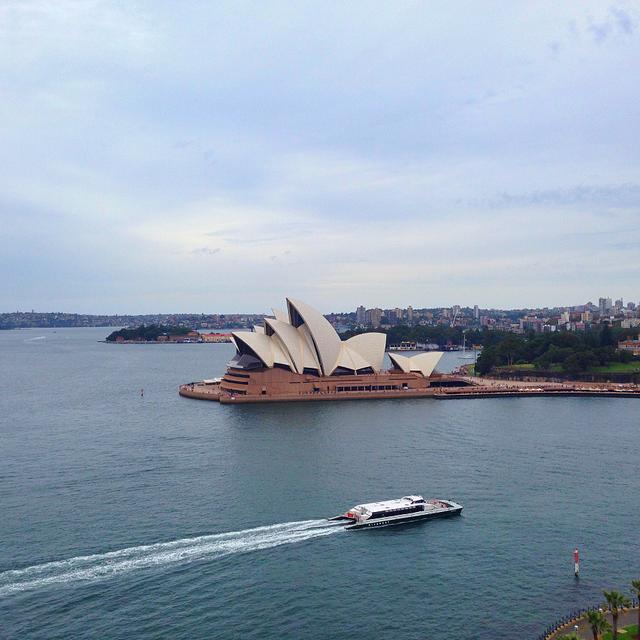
{"x":469,"y":388}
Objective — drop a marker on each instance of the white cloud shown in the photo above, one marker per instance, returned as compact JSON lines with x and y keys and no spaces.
{"x":346,"y":152}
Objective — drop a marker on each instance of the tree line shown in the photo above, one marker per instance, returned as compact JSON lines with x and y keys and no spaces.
{"x":573,"y":352}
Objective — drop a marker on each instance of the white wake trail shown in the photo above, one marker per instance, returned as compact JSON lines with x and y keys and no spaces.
{"x":106,"y":565}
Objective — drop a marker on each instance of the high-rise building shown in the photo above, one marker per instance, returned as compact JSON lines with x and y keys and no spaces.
{"x":410,"y":314}
{"x":361,"y":315}
{"x":476,"y":313}
{"x":376,"y":317}
{"x":604,"y":305}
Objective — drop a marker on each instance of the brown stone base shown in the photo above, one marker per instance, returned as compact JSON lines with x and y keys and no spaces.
{"x":421,"y":388}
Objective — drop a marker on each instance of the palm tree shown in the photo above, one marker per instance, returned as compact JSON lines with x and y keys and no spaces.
{"x":635,"y":586}
{"x":598,"y":622}
{"x":617,"y":602}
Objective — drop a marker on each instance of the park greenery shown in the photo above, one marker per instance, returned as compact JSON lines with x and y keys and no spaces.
{"x":561,"y":351}
{"x":147,"y":333}
{"x":616,"y":603}
{"x":568,"y":352}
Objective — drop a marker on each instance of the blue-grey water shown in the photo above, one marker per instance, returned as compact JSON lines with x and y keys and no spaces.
{"x":124,"y":516}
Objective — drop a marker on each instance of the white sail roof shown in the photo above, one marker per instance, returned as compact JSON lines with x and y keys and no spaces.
{"x":259,"y":343}
{"x":351,"y":359}
{"x":283,"y":316}
{"x":423,"y":363}
{"x":291,"y":339}
{"x":303,"y":340}
{"x":370,"y":346}
{"x":325,"y":339}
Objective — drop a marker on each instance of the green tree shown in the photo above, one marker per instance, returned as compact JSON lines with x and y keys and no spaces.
{"x":544,"y":361}
{"x":572,"y":364}
{"x":598,"y":623}
{"x":509,"y":348}
{"x":606,"y":337}
{"x":570,"y":636}
{"x":616,"y":602}
{"x":487,"y":359}
{"x":635,"y":587}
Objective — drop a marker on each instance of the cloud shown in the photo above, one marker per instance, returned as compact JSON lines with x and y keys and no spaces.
{"x":624,"y":196}
{"x":205,"y":251}
{"x":623,"y":20}
{"x":407,"y":153}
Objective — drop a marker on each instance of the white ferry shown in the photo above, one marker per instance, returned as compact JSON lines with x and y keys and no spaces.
{"x":403,"y":510}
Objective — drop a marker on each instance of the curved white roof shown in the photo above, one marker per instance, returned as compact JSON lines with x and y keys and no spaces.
{"x":370,"y":346}
{"x":283,"y":316}
{"x":350,"y":359}
{"x":303,"y":340}
{"x":291,"y":339}
{"x":259,"y":343}
{"x":423,"y":363}
{"x":310,"y":354}
{"x":325,"y":339}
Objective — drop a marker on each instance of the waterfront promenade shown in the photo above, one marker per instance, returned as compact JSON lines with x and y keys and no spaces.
{"x":626,"y":618}
{"x":466,"y":387}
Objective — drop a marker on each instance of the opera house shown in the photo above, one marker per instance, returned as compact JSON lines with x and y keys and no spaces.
{"x":297,"y":355}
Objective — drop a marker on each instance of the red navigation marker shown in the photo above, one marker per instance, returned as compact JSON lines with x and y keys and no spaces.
{"x":576,"y":562}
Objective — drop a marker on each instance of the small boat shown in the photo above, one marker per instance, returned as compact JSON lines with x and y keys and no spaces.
{"x":400,"y":511}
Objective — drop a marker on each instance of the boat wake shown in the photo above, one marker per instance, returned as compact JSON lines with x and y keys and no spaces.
{"x":107,"y":565}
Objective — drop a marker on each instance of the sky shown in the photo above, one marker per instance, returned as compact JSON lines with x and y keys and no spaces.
{"x":212,"y":157}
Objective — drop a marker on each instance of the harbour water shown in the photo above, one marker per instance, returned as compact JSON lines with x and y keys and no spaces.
{"x":160,"y":517}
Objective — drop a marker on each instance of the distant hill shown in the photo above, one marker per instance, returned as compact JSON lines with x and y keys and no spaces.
{"x":41,"y":320}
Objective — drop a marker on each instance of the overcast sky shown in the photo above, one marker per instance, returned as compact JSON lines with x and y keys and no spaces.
{"x":216,"y":157}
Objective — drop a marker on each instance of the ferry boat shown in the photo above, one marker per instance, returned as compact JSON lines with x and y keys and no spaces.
{"x":400,"y":511}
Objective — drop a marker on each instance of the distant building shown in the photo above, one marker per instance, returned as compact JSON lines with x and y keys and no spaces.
{"x":530,"y":323}
{"x":216,"y":337}
{"x":630,"y":345}
{"x":604,"y":306}
{"x":374,"y":317}
{"x":361,"y":315}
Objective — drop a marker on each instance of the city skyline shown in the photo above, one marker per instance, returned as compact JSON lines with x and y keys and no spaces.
{"x":566,"y":317}
{"x":603,"y":303}
{"x":158,"y":157}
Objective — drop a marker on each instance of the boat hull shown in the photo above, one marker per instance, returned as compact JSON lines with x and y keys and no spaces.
{"x":387,"y":522}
